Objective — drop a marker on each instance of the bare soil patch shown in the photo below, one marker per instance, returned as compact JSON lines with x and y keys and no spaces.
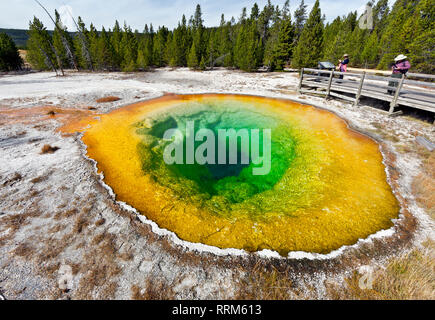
{"x":107,"y":99}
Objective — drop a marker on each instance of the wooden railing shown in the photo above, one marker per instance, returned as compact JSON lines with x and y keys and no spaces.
{"x":352,"y":86}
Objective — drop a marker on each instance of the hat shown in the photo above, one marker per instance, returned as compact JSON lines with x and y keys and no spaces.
{"x":345,"y":55}
{"x":400,"y":57}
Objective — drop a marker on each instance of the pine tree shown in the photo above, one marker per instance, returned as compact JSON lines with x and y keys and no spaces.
{"x":255,"y":12}
{"x":116,"y":41}
{"x":370,"y":53}
{"x":309,"y":48}
{"x":396,"y":39}
{"x":380,"y":14}
{"x":197,"y":18}
{"x":192,"y":59}
{"x":159,"y":47}
{"x":197,"y":28}
{"x":59,"y":63}
{"x":283,"y":49}
{"x":422,"y":45}
{"x":63,"y":43}
{"x":356,"y":45}
{"x":145,"y":49}
{"x":300,"y":17}
{"x":213,"y":48}
{"x":93,"y":40}
{"x":240,"y":45}
{"x":330,"y":37}
{"x":9,"y":56}
{"x":341,"y":37}
{"x":247,"y":47}
{"x":39,"y":51}
{"x":128,"y":49}
{"x":225,"y":43}
{"x":105,"y":58}
{"x":202,"y":64}
{"x":178,"y":45}
{"x":243,"y":16}
{"x":271,"y":38}
{"x":285,"y":12}
{"x":195,"y":50}
{"x":81,"y":44}
{"x":185,"y":41}
{"x":264,"y":21}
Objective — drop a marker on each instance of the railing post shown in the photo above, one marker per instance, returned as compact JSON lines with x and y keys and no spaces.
{"x":329,"y":83}
{"x":393,"y":103}
{"x":358,"y":95}
{"x":300,"y":80}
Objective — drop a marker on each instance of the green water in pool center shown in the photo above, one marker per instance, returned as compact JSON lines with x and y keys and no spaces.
{"x":228,"y":183}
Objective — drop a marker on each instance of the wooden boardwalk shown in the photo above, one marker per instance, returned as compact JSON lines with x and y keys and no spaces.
{"x":410,"y":90}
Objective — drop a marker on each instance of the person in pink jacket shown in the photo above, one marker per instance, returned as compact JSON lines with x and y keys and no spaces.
{"x":342,"y":66}
{"x":401,"y":66}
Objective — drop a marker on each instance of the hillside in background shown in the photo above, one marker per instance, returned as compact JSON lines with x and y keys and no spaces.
{"x":19,"y":36}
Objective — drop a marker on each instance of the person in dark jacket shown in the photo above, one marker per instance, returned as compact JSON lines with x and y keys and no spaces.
{"x":400,"y":66}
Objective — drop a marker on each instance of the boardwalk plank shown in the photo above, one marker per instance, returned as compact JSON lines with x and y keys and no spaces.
{"x":419,"y":96}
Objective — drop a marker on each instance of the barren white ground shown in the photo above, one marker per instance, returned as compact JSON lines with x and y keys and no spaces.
{"x":121,"y":257}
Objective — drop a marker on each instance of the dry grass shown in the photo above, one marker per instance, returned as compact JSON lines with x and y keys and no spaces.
{"x":154,"y":290}
{"x":137,"y":293}
{"x":34,"y":193}
{"x":16,"y":221}
{"x":14,"y":178}
{"x":23,"y":250}
{"x":81,"y":220}
{"x":48,"y":149}
{"x":423,"y":185}
{"x":126,"y":256}
{"x":262,"y":284}
{"x":65,"y":214}
{"x":38,"y":179}
{"x":70,"y":213}
{"x":42,"y":178}
{"x":383,"y":133}
{"x":52,"y":268}
{"x":53,"y":248}
{"x":410,"y":276}
{"x":403,"y":148}
{"x":99,"y":265}
{"x":100,"y":222}
{"x":56,"y":228}
{"x":108,"y":99}
{"x":98,"y":238}
{"x":80,"y":223}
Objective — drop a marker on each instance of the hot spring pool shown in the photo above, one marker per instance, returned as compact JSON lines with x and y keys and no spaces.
{"x":324,"y":187}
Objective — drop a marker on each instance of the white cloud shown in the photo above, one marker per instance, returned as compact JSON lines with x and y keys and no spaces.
{"x":361,"y":10}
{"x":66,"y":14}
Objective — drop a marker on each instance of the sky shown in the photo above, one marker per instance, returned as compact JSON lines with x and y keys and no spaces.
{"x":17,"y":13}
